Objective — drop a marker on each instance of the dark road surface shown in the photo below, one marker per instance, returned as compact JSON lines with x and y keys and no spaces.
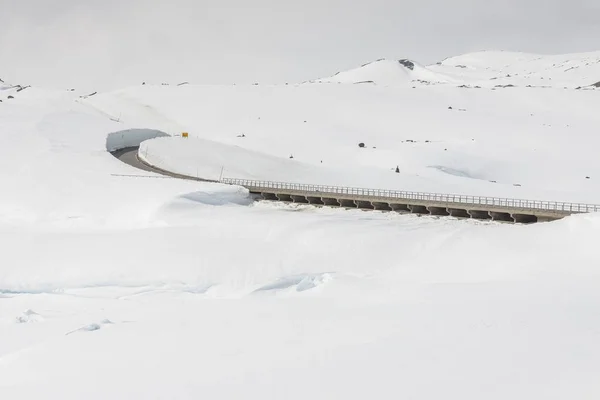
{"x":129,"y":156}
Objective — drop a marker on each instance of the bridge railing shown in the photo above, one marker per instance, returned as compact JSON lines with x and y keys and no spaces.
{"x":395,"y":195}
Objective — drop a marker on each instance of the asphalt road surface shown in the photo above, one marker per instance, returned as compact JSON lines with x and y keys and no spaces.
{"x":129,"y":155}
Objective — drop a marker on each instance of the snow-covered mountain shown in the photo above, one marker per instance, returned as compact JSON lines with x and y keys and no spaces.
{"x":483,"y":69}
{"x":164,"y":288}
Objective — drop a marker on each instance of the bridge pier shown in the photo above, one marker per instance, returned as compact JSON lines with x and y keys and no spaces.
{"x":438,"y":211}
{"x":347,"y":203}
{"x":476,"y":214}
{"x":500,"y":216}
{"x":314,"y":200}
{"x":269,"y":196}
{"x":458,"y":213}
{"x":418,"y":209}
{"x":299,"y":199}
{"x":524,"y":218}
{"x":501,"y":213}
{"x":284,"y":197}
{"x":381,"y":206}
{"x":365,"y":205}
{"x":330,"y":202}
{"x":399,"y":207}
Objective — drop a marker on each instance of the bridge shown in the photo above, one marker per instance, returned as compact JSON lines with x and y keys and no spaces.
{"x":460,"y":206}
{"x":453,"y":205}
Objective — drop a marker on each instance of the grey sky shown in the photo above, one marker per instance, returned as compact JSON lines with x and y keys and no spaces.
{"x":112,"y":43}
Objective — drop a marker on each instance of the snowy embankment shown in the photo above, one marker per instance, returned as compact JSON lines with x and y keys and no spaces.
{"x":520,"y":142}
{"x":165,"y":288}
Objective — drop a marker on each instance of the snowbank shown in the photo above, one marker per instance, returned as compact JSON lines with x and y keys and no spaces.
{"x":130,"y":138}
{"x":101,"y":262}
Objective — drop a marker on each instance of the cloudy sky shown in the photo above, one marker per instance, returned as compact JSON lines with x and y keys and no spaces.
{"x":106,"y":44}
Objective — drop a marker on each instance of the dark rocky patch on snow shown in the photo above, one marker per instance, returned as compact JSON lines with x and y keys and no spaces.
{"x":408,"y":64}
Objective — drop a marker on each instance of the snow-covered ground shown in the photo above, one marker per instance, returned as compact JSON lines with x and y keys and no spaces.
{"x":118,"y":283}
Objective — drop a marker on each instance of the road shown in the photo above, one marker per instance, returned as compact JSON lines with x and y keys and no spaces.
{"x":477,"y":207}
{"x":129,"y":155}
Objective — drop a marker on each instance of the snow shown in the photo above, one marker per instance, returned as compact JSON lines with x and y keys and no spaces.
{"x":119,"y":283}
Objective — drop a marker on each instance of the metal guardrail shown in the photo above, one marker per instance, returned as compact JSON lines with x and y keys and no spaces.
{"x":394,"y":195}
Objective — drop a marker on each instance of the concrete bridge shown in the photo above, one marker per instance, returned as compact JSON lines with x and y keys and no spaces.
{"x":460,"y":206}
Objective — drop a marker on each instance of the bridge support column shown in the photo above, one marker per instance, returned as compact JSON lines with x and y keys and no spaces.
{"x":347,"y":203}
{"x":365,"y":205}
{"x":399,"y":207}
{"x":458,"y":213}
{"x":284,"y":197}
{"x":500,"y":216}
{"x":476,"y":214}
{"x":314,"y":200}
{"x":438,"y":211}
{"x":330,"y":202}
{"x":524,"y":218}
{"x":418,"y":209}
{"x":269,"y":196}
{"x":381,"y":206}
{"x":299,"y":199}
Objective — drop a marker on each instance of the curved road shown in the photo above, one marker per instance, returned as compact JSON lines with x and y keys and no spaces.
{"x":129,"y":155}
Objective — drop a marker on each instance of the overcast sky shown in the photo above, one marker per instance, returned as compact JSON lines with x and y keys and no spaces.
{"x":106,"y":44}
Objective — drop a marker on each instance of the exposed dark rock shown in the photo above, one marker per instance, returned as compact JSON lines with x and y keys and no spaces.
{"x":408,"y":64}
{"x":10,"y":97}
{"x":597,"y":84}
{"x":397,"y":169}
{"x":361,"y":145}
{"x":357,"y":83}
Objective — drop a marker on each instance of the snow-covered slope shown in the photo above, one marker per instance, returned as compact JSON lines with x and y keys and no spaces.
{"x":521,"y":142}
{"x":488,"y":69}
{"x":521,"y":69}
{"x":388,"y":72}
{"x":161,"y":288}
